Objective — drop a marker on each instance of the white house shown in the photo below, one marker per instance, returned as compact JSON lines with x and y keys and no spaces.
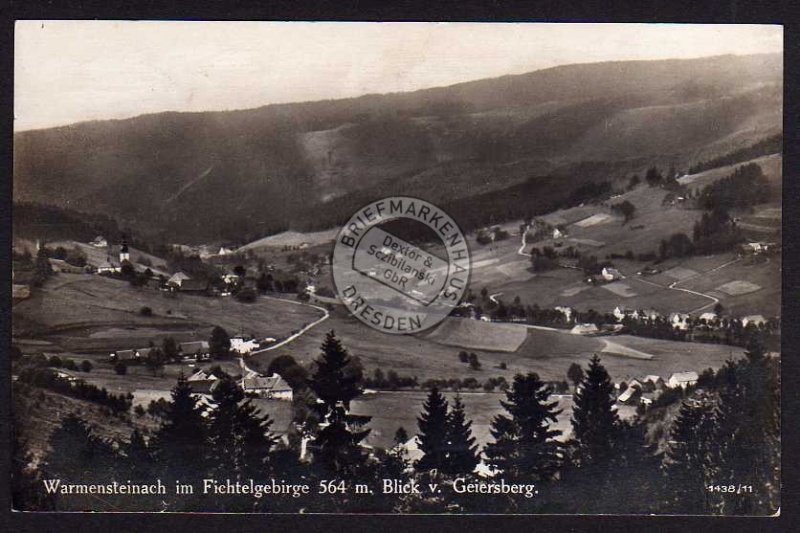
{"x":679,"y":320}
{"x":243,"y":345}
{"x":557,"y":233}
{"x":224,"y":251}
{"x":621,"y":312}
{"x":756,"y":320}
{"x":99,"y":242}
{"x":708,"y":317}
{"x":230,"y":278}
{"x":566,"y":311}
{"x":682,"y":379}
{"x":109,"y":267}
{"x":584,"y":329}
{"x":611,"y":274}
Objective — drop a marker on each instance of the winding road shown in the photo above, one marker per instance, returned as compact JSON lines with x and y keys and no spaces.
{"x":290,"y":338}
{"x":672,"y":286}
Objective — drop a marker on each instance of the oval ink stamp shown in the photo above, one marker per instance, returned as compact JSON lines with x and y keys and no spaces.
{"x":391,"y":284}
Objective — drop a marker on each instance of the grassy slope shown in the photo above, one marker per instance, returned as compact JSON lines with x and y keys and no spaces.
{"x":94,"y":312}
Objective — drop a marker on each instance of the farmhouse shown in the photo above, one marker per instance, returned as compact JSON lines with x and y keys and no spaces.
{"x":631,"y":394}
{"x":177,"y":279}
{"x":197,"y":349}
{"x":708,"y":317}
{"x":243,"y":344}
{"x":557,"y":233}
{"x":755,"y":320}
{"x":656,"y":382}
{"x":109,"y":267}
{"x":202,"y":382}
{"x":99,"y":242}
{"x":125,"y":355}
{"x":273,"y":387}
{"x":584,"y":329}
{"x":682,"y":379}
{"x":679,"y":320}
{"x":610,"y":274}
{"x":194,"y":285}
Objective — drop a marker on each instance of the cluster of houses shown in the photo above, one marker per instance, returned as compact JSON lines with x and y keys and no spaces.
{"x":272,"y":387}
{"x":679,"y":321}
{"x":644,"y":391}
{"x":197,"y":350}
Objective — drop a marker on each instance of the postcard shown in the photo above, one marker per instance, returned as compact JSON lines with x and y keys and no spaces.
{"x":397,"y":268}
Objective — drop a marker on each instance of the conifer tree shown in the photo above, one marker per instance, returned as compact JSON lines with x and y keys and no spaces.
{"x":433,"y":431}
{"x":688,"y":460}
{"x":748,"y":433}
{"x":337,"y":380}
{"x":79,"y":456}
{"x":524,"y":446}
{"x":239,"y":436}
{"x":462,"y":452}
{"x":180,"y":445}
{"x":594,"y":420}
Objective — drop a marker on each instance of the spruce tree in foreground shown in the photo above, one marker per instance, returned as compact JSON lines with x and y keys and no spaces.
{"x":748,"y":434}
{"x":180,"y":446}
{"x":524,"y":446}
{"x":239,"y":436}
{"x":688,"y":459}
{"x":337,"y":380}
{"x":594,"y":420}
{"x":433,"y":431}
{"x":462,"y":452}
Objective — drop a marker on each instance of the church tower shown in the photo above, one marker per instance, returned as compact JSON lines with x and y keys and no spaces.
{"x":124,"y":255}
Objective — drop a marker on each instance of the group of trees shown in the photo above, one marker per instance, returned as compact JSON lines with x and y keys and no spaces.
{"x":724,"y":449}
{"x":730,"y":436}
{"x":745,"y":187}
{"x":46,"y":378}
{"x":770,"y":145}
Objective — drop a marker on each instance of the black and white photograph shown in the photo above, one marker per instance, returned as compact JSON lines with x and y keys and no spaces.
{"x":396,"y":268}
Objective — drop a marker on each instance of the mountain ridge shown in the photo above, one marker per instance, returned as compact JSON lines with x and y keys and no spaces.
{"x":271,"y":167}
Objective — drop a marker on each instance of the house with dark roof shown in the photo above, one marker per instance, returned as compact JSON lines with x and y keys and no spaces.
{"x":273,"y":387}
{"x":194,"y":285}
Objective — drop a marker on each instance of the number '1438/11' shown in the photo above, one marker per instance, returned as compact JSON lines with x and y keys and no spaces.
{"x":736,"y":489}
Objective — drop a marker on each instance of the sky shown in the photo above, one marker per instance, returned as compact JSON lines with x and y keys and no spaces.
{"x":73,"y":71}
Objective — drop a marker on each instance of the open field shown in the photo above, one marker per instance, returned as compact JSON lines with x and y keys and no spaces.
{"x":88,"y":312}
{"x":479,"y":335}
{"x":549,"y":353}
{"x":292,"y":238}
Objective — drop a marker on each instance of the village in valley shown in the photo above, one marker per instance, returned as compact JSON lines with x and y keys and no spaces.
{"x":174,"y":309}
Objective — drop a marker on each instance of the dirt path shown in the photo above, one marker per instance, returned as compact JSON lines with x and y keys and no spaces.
{"x":672,"y":286}
{"x":493,"y":297}
{"x":289,"y":339}
{"x":521,"y":250}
